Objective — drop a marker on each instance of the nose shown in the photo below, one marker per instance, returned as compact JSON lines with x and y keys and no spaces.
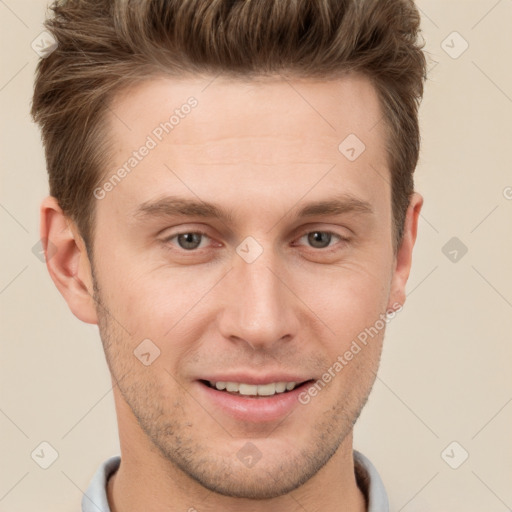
{"x":260,"y":307}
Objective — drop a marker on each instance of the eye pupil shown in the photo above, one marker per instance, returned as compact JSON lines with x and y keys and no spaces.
{"x":192,"y":240}
{"x":320,"y":237}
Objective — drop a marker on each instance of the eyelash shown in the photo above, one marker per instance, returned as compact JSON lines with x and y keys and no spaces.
{"x":329,"y":248}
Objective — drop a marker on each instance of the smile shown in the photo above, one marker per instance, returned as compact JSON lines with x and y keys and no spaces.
{"x":253,"y":403}
{"x":241,"y":388}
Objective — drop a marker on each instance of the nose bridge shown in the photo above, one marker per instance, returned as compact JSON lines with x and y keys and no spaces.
{"x":258,"y":306}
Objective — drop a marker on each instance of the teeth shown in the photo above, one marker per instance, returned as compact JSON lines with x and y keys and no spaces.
{"x":253,"y":389}
{"x":231,"y":386}
{"x":280,"y":387}
{"x":248,"y":389}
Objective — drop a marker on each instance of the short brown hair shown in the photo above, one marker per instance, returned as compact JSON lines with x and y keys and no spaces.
{"x":105,"y":45}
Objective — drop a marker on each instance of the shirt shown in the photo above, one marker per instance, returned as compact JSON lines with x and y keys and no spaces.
{"x":367,"y":477}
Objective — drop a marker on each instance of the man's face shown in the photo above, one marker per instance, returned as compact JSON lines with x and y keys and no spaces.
{"x":264,"y":295}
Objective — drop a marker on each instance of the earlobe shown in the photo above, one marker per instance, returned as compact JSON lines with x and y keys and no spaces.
{"x":67,"y":260}
{"x":404,"y":253}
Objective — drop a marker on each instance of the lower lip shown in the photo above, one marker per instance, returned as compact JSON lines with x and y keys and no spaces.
{"x":254,"y":409}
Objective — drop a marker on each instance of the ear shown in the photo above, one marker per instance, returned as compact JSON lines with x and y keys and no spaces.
{"x":403,"y":259}
{"x":67,"y":260}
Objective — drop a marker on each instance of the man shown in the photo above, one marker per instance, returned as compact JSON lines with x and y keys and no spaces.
{"x":232,"y":203}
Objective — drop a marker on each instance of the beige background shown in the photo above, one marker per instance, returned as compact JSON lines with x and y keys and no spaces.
{"x":445,"y":373}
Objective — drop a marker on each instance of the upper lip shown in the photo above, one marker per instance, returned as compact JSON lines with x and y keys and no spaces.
{"x":248,"y":378}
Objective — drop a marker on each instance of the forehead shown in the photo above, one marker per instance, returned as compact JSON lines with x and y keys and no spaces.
{"x":259,"y":107}
{"x":264,"y":136}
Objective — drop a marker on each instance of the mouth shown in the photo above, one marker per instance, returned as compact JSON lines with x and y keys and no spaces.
{"x":254,"y":404}
{"x":246,"y":390}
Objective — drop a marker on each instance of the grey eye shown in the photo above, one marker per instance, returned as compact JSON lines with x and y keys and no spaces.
{"x":319,"y":239}
{"x":189,"y":241}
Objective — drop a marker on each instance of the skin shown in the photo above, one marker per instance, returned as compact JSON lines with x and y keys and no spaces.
{"x":261,"y":151}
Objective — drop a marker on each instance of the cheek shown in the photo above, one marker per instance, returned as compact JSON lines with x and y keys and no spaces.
{"x":348,"y":300}
{"x":165,"y":307}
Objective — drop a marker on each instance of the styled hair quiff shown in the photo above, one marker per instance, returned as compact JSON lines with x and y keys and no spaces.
{"x":106,"y":45}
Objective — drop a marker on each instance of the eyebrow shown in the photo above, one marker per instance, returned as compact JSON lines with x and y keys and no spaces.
{"x":174,"y":206}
